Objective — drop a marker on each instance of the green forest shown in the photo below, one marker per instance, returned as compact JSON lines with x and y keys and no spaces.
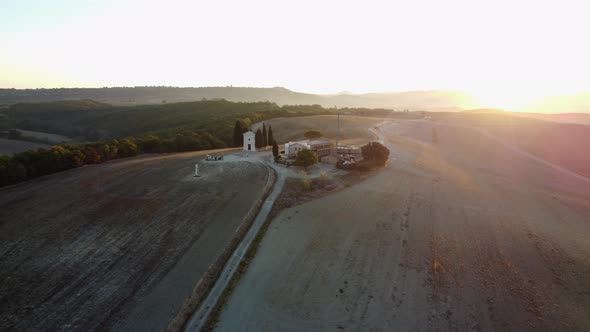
{"x":108,"y":132}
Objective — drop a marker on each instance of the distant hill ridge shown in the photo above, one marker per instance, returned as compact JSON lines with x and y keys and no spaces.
{"x":433,"y":100}
{"x":414,"y":100}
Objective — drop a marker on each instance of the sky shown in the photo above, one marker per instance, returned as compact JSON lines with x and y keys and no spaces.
{"x":506,"y":53}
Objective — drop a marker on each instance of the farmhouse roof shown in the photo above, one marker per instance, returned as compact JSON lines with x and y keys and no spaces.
{"x":312,"y":141}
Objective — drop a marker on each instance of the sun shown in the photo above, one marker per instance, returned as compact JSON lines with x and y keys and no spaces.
{"x":509,"y":100}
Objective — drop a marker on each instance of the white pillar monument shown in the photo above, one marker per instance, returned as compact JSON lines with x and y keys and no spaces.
{"x":196,"y":170}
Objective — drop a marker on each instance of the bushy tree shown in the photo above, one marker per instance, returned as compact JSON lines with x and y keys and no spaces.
{"x":192,"y":142}
{"x":11,"y":171}
{"x":127,"y":148}
{"x":72,"y":156}
{"x":311,"y":134}
{"x":108,"y":151}
{"x":91,"y":155}
{"x":169,"y":145}
{"x":376,"y":152}
{"x":264,"y":136}
{"x":150,"y":144}
{"x":306,"y":158}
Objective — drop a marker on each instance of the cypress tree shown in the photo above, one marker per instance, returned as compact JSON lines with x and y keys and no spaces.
{"x":238,"y":131}
{"x":258,"y":138}
{"x":275,"y":149}
{"x":271,"y":139}
{"x":264,"y":136}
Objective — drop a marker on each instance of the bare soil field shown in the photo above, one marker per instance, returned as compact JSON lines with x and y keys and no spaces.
{"x":353,"y":129}
{"x":564,"y":144}
{"x":458,"y":234}
{"x":579,"y":118}
{"x":118,"y":245}
{"x":51,"y":138}
{"x":10,"y":146}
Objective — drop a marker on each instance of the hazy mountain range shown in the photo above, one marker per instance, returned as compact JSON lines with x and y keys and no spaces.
{"x":437,"y":100}
{"x":423,"y":100}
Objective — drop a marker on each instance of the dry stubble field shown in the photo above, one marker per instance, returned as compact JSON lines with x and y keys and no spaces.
{"x":353,"y":129}
{"x":118,"y":245}
{"x":10,"y":146}
{"x":459,"y":234}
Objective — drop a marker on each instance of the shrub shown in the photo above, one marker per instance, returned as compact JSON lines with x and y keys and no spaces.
{"x":306,"y":184}
{"x":311,"y":134}
{"x":150,"y":143}
{"x":375,"y":152}
{"x":306,"y":158}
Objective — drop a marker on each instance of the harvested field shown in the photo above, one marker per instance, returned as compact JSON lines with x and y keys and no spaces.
{"x":118,"y":245}
{"x":50,"y":138}
{"x":11,"y":146}
{"x":564,"y":144}
{"x":353,"y":129}
{"x":301,"y":189}
{"x":459,"y":234}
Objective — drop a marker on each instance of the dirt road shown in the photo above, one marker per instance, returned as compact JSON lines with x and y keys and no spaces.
{"x":459,"y":232}
{"x":200,"y":317}
{"x":118,"y":245}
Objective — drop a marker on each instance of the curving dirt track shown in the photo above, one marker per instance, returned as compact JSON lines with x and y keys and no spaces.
{"x":118,"y":245}
{"x":458,"y":234}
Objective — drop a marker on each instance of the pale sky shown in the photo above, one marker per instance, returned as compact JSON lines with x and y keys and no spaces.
{"x":505,"y":52}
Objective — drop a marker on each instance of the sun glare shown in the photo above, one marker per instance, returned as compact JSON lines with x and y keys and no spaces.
{"x":514,"y":100}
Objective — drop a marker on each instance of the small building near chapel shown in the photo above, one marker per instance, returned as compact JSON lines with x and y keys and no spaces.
{"x":322,"y":147}
{"x":349,"y":152}
{"x":330,"y":159}
{"x":292,"y":148}
{"x":249,"y":141}
{"x":343,"y":154}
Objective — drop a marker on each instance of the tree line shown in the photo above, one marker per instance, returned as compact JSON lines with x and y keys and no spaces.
{"x":87,"y":120}
{"x":215,"y":133}
{"x":177,"y":127}
{"x":34,"y":163}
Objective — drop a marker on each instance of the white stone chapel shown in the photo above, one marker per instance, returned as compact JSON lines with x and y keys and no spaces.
{"x":249,"y":141}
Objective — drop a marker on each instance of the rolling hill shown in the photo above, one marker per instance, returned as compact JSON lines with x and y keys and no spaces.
{"x":423,"y":100}
{"x":88,"y":120}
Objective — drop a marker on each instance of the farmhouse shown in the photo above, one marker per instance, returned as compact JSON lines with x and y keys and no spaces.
{"x":322,"y":147}
{"x":330,"y":159}
{"x":249,"y":141}
{"x":343,"y":154}
{"x":349,"y":152}
{"x":292,"y":148}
